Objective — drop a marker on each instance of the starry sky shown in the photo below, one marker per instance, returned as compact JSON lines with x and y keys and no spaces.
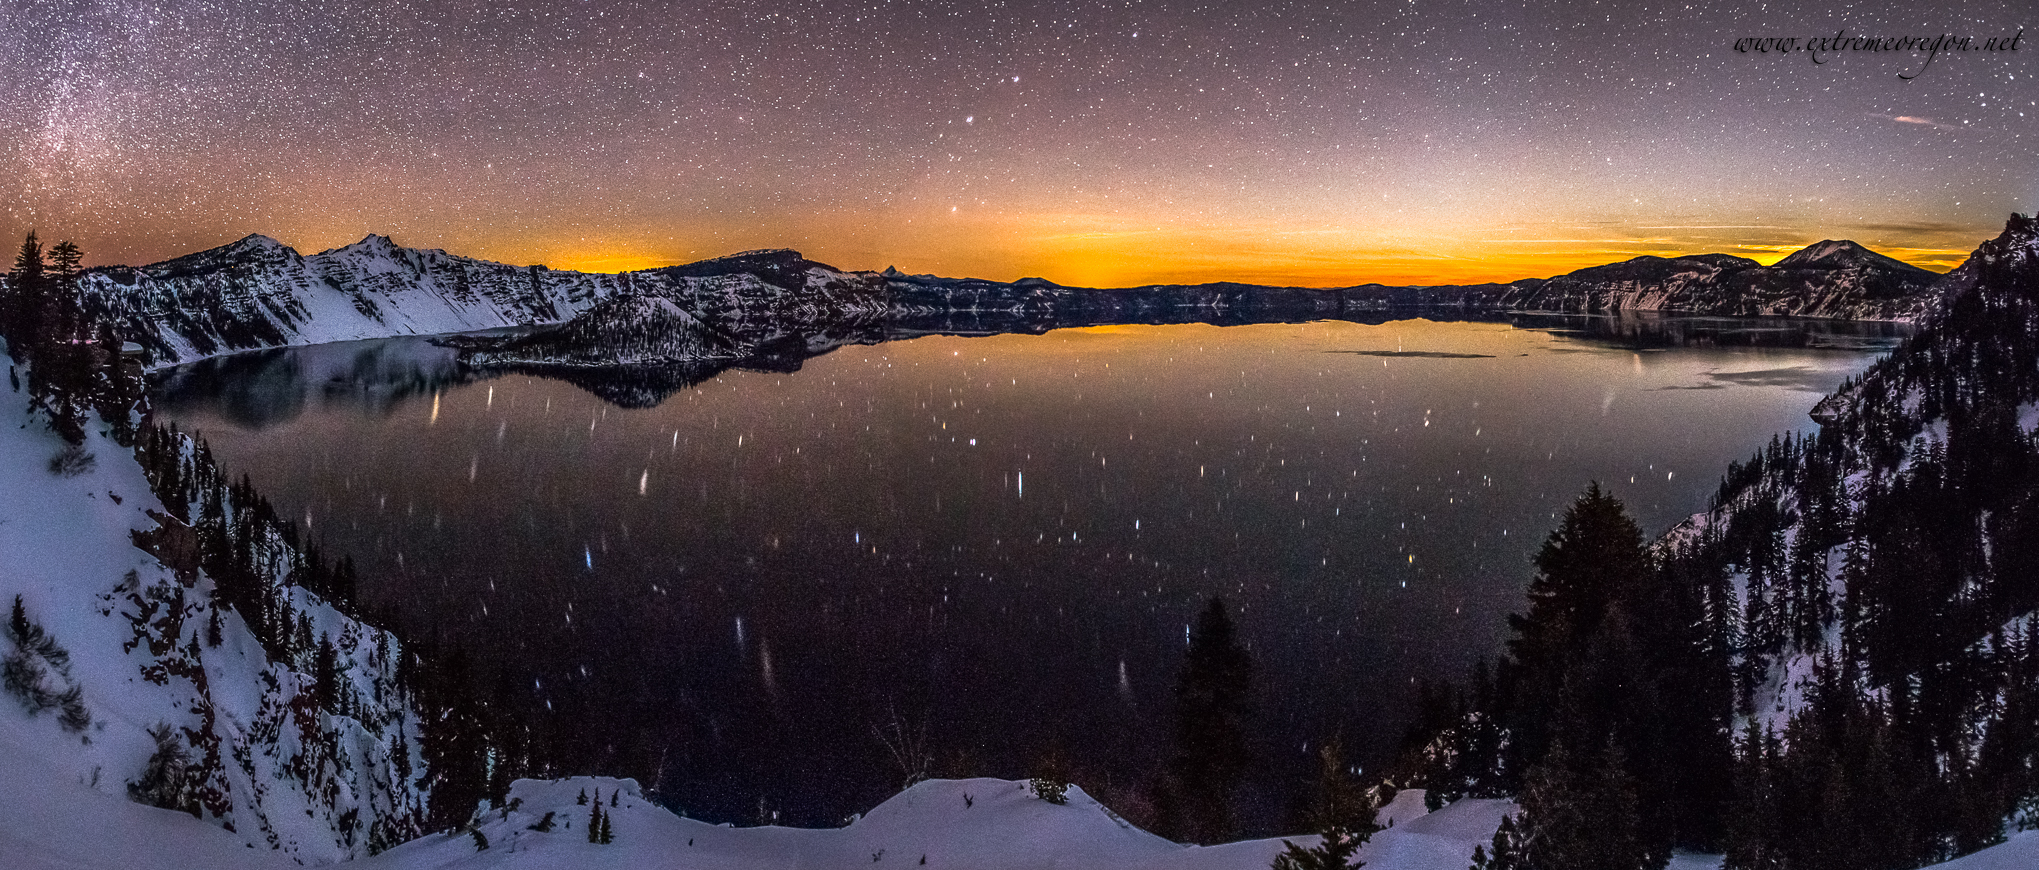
{"x":1315,"y":143}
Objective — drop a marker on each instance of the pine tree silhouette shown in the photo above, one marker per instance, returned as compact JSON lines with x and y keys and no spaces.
{"x":1211,"y":753}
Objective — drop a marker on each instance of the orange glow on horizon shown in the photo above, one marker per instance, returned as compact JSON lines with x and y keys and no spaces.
{"x":1125,"y":261}
{"x":608,"y":262}
{"x":1092,"y":251}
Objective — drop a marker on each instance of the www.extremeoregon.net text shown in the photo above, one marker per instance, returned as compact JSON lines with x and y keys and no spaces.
{"x":1822,"y":47}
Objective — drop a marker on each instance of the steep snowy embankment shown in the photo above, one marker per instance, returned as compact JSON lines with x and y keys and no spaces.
{"x":126,"y":665}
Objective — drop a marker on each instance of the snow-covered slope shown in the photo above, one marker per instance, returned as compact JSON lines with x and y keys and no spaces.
{"x":131,"y":637}
{"x":964,"y":824}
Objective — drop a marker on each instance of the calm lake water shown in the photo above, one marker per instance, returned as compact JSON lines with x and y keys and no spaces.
{"x":994,"y":541}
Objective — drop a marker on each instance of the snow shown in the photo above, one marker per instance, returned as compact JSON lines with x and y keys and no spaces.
{"x":982,"y":824}
{"x":2019,"y":852}
{"x":67,"y":548}
{"x":53,"y":823}
{"x":370,"y":289}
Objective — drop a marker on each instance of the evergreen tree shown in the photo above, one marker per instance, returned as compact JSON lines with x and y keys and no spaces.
{"x":1340,"y":801}
{"x":24,"y":311}
{"x":1580,"y":814}
{"x":18,"y":626}
{"x":63,"y":262}
{"x":1211,"y":754}
{"x":1594,"y":558}
{"x":1505,"y":852}
{"x":325,"y":673}
{"x":1334,"y":853}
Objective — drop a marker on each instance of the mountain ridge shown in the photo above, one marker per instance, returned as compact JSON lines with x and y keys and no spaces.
{"x":257,"y":292}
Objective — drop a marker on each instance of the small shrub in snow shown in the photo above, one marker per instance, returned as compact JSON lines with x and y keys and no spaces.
{"x":167,"y":781}
{"x":1051,"y":791}
{"x":481,"y":843}
{"x":23,"y":675}
{"x":74,"y":716}
{"x":72,"y":461}
{"x":1335,"y":853}
{"x":27,"y":673}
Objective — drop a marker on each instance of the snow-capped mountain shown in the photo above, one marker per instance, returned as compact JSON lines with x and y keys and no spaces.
{"x":128,"y":675}
{"x":258,"y":292}
{"x":1829,"y":279}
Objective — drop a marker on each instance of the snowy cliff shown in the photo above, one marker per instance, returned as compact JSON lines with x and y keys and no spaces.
{"x":128,"y":678}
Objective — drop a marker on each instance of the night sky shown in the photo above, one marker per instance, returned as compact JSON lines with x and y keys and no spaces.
{"x":1318,"y":143}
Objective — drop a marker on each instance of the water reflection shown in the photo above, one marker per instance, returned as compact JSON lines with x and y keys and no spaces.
{"x":723,"y":586}
{"x":262,"y":388}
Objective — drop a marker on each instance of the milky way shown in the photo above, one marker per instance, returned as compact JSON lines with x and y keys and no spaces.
{"x":1315,"y":143}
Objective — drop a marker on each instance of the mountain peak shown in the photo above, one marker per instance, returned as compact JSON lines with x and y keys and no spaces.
{"x":257,"y":242}
{"x":1841,"y":254}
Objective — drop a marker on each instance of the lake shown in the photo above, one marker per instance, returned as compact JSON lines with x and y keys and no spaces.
{"x":992,"y":546}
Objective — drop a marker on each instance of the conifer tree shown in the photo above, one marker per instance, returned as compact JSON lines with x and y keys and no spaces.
{"x":1334,"y":853}
{"x":1504,"y":852}
{"x":25,"y":298}
{"x":1579,"y":813}
{"x":1211,"y":754}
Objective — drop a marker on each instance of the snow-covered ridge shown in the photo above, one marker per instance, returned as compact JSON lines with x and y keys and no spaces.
{"x":1828,"y":279}
{"x":258,"y":292}
{"x":157,"y":659}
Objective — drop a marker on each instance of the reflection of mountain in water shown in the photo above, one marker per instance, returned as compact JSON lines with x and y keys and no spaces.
{"x":267,"y":387}
{"x":1645,"y":331}
{"x":636,"y":353}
